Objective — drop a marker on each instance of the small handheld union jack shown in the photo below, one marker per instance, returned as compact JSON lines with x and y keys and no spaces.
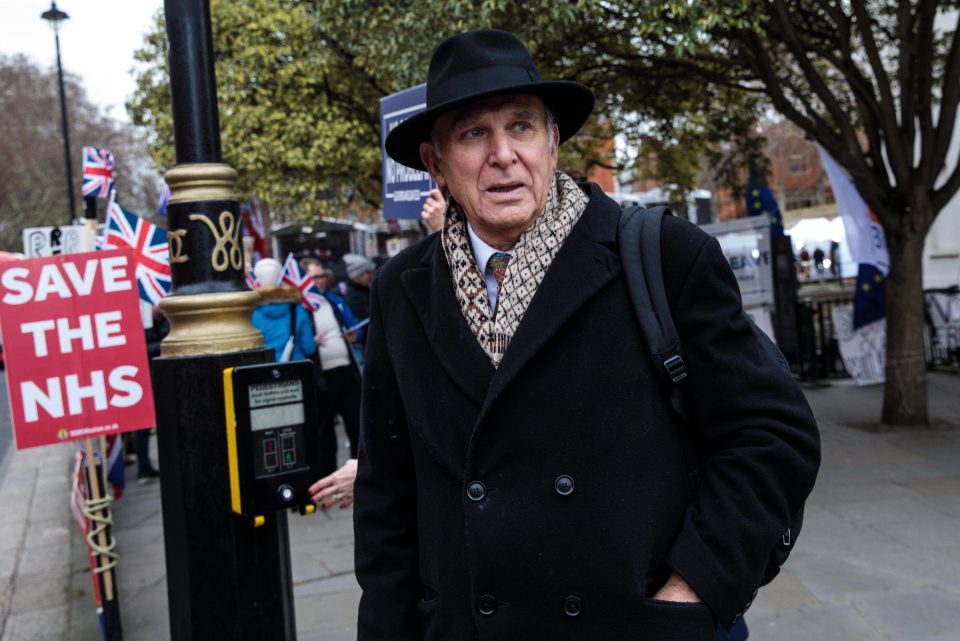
{"x":254,"y":227}
{"x":295,"y":276}
{"x":152,"y":254}
{"x":97,"y":172}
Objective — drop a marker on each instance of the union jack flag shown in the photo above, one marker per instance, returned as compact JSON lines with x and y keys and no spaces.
{"x":152,"y":254}
{"x":97,"y":172}
{"x":295,"y":276}
{"x":254,"y":227}
{"x":251,"y":280}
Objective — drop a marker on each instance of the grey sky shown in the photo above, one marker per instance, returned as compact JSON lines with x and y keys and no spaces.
{"x":96,"y":43}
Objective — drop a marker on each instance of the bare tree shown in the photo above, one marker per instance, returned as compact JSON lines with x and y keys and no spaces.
{"x":34,"y":192}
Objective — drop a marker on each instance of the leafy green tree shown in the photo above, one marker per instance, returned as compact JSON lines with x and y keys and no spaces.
{"x":876,"y":83}
{"x":30,"y":137}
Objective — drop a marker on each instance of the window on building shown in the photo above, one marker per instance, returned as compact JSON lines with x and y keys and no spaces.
{"x":798,"y":164}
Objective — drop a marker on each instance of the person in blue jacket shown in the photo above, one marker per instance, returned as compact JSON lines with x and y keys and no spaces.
{"x":286,"y":326}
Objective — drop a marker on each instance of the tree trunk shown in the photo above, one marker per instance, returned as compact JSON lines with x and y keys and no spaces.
{"x":905,"y":391}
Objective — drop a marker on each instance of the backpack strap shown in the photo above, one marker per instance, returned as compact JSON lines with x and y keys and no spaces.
{"x":639,"y":243}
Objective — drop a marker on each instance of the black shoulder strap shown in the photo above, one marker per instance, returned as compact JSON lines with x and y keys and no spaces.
{"x":293,"y":321}
{"x":639,"y":243}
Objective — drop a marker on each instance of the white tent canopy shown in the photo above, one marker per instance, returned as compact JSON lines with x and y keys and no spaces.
{"x":818,"y":233}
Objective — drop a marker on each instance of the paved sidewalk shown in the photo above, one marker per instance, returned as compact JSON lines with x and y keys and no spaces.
{"x":878,"y":558}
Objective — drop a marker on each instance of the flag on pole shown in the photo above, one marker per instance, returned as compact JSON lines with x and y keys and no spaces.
{"x":869,"y":299}
{"x":864,"y":234}
{"x":164,"y":199}
{"x":866,"y":242}
{"x":295,"y":276}
{"x":126,"y":229}
{"x":116,"y":475}
{"x":760,"y":201}
{"x":97,"y":171}
{"x":251,"y":280}
{"x":254,"y":227}
{"x":78,"y":495}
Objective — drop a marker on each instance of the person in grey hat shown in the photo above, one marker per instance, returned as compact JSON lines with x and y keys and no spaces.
{"x":522,"y":473}
{"x":360,"y":271}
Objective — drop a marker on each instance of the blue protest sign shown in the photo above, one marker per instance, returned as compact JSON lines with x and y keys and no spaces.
{"x":404,"y":189}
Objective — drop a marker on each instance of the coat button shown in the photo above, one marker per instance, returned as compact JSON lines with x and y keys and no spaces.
{"x":563,"y":485}
{"x":486,"y":605}
{"x":476,"y":491}
{"x":572,"y":606}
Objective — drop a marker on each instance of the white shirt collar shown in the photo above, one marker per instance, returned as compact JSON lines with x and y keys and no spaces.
{"x":481,"y":255}
{"x":481,"y":251}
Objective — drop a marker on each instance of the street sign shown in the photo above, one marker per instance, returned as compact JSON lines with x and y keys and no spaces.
{"x":746,"y":244}
{"x":404,"y":189}
{"x":52,"y":241}
{"x":74,"y":347}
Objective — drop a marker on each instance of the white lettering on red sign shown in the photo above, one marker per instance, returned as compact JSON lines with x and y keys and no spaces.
{"x":52,"y":281}
{"x":74,"y":347}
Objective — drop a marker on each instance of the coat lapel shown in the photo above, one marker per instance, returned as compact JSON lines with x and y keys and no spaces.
{"x":586,"y":262}
{"x":429,"y":287}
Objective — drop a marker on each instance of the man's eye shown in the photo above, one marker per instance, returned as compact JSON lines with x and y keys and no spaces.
{"x":473,"y":133}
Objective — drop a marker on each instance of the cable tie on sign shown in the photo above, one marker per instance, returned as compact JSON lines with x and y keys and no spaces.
{"x":98,"y":511}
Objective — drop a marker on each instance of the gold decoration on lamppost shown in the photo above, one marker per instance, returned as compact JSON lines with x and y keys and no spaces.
{"x":175,"y":241}
{"x":211,"y":322}
{"x":226,"y":251}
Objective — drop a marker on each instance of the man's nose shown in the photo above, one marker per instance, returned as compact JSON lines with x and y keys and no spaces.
{"x":501,"y":152}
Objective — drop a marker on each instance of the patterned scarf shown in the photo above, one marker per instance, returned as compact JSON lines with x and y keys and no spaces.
{"x":532,"y":256}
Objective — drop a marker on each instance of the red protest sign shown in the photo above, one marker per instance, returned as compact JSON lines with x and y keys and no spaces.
{"x":74,"y":347}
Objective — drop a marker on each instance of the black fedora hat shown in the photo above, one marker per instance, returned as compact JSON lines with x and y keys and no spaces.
{"x":481,"y":63}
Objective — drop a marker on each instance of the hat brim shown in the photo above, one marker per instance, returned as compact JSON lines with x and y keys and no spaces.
{"x":571,"y":103}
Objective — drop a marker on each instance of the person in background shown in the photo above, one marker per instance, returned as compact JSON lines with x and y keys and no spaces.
{"x":339,"y":366}
{"x":360,"y":270}
{"x":432,"y":212}
{"x":141,"y":438}
{"x":280,"y":316}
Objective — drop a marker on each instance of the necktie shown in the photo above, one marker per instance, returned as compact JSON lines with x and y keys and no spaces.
{"x":498,"y":267}
{"x":497,"y":264}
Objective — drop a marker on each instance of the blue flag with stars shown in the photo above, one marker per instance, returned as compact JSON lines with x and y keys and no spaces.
{"x":870,"y":298}
{"x":760,"y":200}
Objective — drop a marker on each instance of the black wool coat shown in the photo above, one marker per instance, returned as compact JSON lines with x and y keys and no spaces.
{"x":549,"y":498}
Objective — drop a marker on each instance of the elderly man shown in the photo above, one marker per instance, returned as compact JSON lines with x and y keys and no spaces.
{"x":522,"y":473}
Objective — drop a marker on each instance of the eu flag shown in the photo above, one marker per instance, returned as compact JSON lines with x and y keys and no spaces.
{"x":870,"y":298}
{"x":760,"y":200}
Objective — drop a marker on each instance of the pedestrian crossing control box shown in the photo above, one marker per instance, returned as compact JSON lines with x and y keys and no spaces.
{"x":272,"y":420}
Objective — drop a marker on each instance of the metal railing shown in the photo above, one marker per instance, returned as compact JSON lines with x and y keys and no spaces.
{"x":819,"y":353}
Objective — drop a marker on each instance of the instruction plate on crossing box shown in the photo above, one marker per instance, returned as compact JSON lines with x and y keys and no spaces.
{"x":263,"y":394}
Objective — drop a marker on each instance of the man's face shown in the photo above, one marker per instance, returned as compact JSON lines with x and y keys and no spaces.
{"x":317,"y":275}
{"x":497,"y":159}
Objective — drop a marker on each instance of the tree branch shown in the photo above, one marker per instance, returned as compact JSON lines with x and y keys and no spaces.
{"x":894,"y":147}
{"x":816,"y":81}
{"x":949,"y":101}
{"x":923,"y":78}
{"x":906,"y":77}
{"x":947,"y":191}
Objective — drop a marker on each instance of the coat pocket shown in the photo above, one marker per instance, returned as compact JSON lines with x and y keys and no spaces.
{"x":427,"y":607}
{"x":676,"y":621}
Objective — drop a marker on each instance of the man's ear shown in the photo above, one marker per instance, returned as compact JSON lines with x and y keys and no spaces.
{"x":555,"y":152}
{"x":430,"y":160}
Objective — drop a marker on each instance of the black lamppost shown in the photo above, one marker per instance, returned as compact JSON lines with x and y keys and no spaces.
{"x":54,"y":16}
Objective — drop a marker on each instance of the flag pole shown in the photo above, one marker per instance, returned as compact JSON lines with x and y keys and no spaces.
{"x":100,"y":541}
